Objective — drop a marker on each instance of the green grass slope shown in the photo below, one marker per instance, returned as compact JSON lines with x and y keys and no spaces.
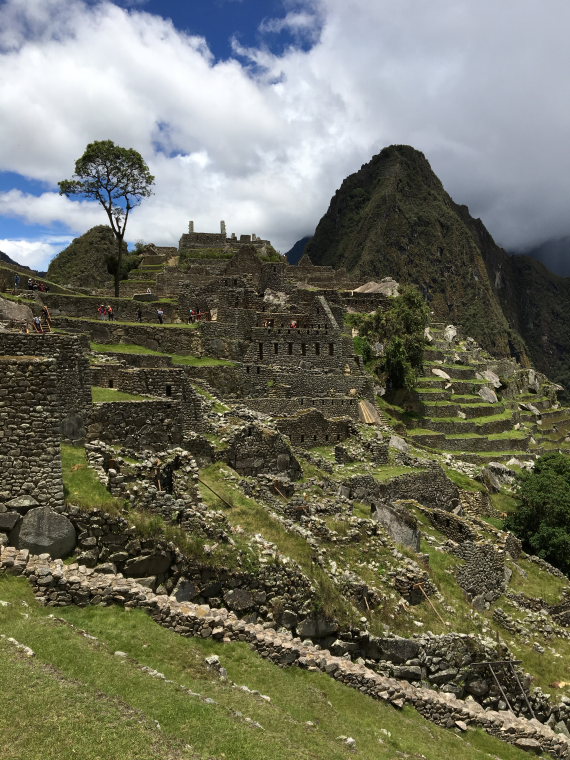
{"x":110,"y":684}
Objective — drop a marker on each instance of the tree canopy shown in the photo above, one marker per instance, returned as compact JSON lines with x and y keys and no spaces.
{"x":400,"y":329}
{"x":117,"y":178}
{"x":542,"y":520}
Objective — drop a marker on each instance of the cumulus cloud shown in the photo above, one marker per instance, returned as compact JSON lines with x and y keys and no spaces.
{"x":34,"y":253}
{"x":264,"y":140}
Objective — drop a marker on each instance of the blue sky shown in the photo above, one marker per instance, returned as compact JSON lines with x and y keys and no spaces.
{"x":254,"y":112}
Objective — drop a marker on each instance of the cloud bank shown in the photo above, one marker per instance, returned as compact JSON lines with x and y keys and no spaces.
{"x":263,"y":140}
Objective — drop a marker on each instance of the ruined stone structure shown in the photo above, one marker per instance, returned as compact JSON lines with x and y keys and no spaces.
{"x":30,"y":459}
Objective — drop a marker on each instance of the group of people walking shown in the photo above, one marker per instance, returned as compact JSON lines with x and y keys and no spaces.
{"x":106,"y":313}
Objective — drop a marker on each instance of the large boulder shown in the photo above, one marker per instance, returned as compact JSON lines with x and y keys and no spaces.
{"x":43,"y":531}
{"x":12,"y":311}
{"x":255,"y":449}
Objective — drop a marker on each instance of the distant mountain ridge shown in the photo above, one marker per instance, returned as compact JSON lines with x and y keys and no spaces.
{"x":295,"y":254}
{"x":393,"y":217}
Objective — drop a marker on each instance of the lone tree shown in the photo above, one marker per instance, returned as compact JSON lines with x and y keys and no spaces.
{"x":116,"y":177}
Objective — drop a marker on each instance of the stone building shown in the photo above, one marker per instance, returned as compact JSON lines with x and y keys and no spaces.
{"x":30,"y":457}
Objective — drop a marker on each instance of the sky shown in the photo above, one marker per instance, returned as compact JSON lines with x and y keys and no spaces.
{"x":254,"y":111}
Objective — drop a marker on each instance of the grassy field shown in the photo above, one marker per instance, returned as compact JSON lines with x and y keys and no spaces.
{"x":99,"y":394}
{"x":131,"y":348}
{"x":77,"y":697}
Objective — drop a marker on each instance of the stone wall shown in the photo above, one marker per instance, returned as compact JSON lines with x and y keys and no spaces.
{"x":484,"y":571}
{"x":72,"y":369}
{"x":333,"y":406}
{"x":431,"y":488}
{"x":156,"y":424}
{"x":56,"y":584}
{"x":311,"y":428}
{"x":125,"y":309}
{"x":30,"y":457}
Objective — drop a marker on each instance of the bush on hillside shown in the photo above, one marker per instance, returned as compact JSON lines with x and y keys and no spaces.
{"x":542,"y":520}
{"x":401,"y":331}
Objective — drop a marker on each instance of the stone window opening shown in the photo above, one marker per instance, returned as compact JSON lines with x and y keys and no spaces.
{"x":326,"y":437}
{"x":260,"y":350}
{"x":302,"y":438}
{"x":276,"y":348}
{"x":247,"y":370}
{"x":111,"y":383}
{"x":290,"y":349}
{"x":317,"y":349}
{"x":168,"y":390}
{"x":304,"y":349}
{"x":259,"y":369}
{"x":331,"y":349}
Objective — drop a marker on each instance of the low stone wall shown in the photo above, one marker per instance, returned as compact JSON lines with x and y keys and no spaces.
{"x":30,"y":457}
{"x":431,"y":488}
{"x":483,"y":573}
{"x":125,"y":309}
{"x":156,"y":424}
{"x":57,"y":584}
{"x":333,"y":406}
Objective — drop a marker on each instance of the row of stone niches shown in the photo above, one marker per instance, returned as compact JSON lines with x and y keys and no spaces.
{"x":317,"y":349}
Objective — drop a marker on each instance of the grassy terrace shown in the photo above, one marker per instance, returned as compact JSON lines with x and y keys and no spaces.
{"x":166,"y":325}
{"x":81,"y":485}
{"x":131,"y":348}
{"x":99,"y":394}
{"x":97,"y":705}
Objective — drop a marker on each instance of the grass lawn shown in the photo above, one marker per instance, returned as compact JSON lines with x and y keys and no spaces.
{"x":99,"y":706}
{"x":131,"y":348}
{"x":82,"y":486}
{"x":112,"y":394}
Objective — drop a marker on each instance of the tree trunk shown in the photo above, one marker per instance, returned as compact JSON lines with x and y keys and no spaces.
{"x":118,"y":266}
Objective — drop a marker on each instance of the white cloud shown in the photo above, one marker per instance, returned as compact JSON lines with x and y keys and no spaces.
{"x":34,"y":253}
{"x":481,"y":88}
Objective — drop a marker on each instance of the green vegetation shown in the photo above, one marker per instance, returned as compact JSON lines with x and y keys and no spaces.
{"x":112,"y":394}
{"x":131,"y":348}
{"x":167,"y":325}
{"x":82,"y":487}
{"x":97,"y":705}
{"x":118,"y":179}
{"x":401,"y":329}
{"x":542,"y":519}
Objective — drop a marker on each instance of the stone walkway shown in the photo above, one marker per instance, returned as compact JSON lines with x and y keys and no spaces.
{"x":56,"y":584}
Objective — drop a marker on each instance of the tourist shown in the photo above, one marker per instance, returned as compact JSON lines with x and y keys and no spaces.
{"x":101,"y":311}
{"x":148,"y":291}
{"x":191,"y":316}
{"x":30,"y":283}
{"x":38,"y":324}
{"x":46,"y":315}
{"x":139,"y":314}
{"x":110,"y":313}
{"x":16,"y":282}
{"x":160,"y":315}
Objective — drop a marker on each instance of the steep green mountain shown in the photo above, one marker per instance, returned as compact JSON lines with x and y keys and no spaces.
{"x":394,"y":218}
{"x":87,"y":260}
